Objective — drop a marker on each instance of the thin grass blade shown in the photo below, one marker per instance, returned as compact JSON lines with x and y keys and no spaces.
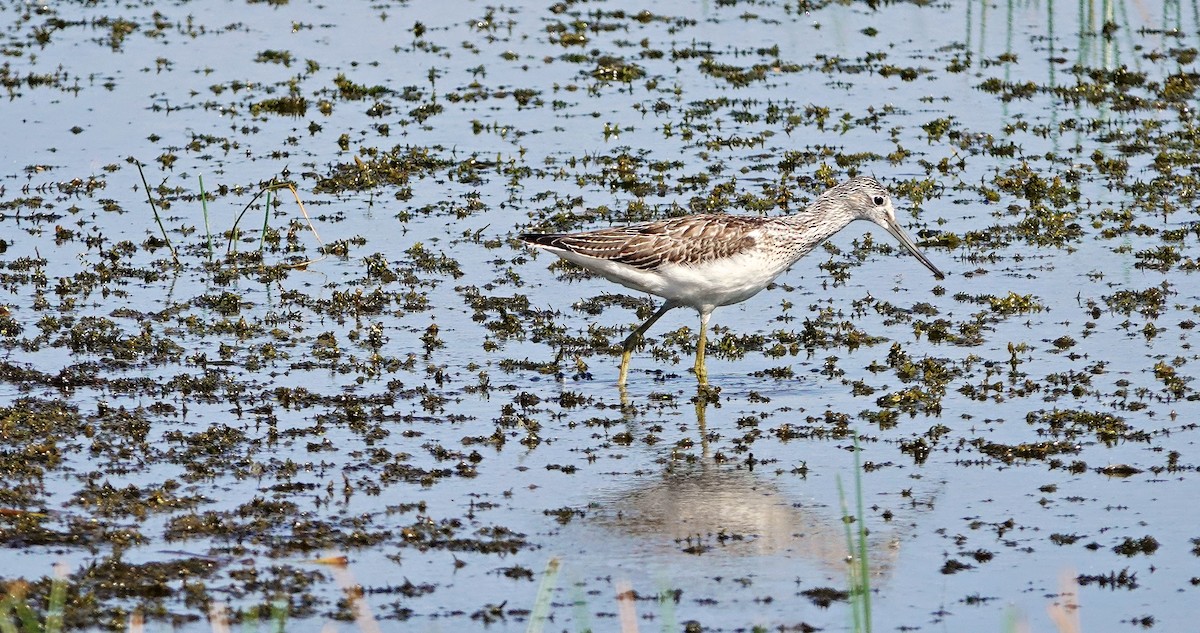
{"x":579,"y":602}
{"x":852,"y":569}
{"x":262,"y":236}
{"x":26,"y":616}
{"x":363,"y":618}
{"x":541,"y":604}
{"x":58,"y":600}
{"x":230,"y":248}
{"x":154,"y":208}
{"x":6,"y":615}
{"x":626,"y":609}
{"x":279,"y":613}
{"x":864,"y":568}
{"x":207,"y":229}
{"x":666,"y":609}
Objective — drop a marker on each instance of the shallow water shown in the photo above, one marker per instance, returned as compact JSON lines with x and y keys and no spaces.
{"x":203,"y":431}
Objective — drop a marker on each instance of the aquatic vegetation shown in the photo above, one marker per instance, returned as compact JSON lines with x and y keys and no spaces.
{"x":200,"y":424}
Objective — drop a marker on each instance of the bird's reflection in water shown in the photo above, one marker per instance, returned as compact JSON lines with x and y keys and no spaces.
{"x":701,"y":507}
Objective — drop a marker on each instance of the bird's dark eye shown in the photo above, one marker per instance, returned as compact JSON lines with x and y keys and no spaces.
{"x":878,"y":200}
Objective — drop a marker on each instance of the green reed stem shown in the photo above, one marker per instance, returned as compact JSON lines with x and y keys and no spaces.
{"x":204,"y":206}
{"x":154,"y":208}
{"x":541,"y":604}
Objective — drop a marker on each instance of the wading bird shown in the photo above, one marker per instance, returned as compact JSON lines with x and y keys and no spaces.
{"x":707,"y":261}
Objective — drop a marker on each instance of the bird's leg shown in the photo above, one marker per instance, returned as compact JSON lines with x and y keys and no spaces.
{"x":701,"y":369}
{"x":632,"y":341}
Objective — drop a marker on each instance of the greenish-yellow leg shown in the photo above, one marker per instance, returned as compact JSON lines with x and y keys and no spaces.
{"x":701,"y":369}
{"x":632,"y":341}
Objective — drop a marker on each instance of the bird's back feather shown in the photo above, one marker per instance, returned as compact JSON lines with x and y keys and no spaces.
{"x":693,"y":239}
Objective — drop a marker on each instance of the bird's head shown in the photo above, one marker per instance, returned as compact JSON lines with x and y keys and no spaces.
{"x":865,"y":199}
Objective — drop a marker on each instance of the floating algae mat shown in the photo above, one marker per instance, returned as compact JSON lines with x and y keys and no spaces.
{"x":304,"y":370}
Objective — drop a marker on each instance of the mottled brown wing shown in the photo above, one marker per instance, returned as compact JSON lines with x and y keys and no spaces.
{"x":688,"y":240}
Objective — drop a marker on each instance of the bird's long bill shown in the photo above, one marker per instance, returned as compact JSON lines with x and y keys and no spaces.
{"x":893,"y":227}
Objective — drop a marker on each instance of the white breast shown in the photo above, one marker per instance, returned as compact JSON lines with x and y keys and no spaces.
{"x":702,"y":286}
{"x":720,"y":282}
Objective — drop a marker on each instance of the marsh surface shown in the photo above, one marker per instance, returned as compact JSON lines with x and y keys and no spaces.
{"x":201,"y":415}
